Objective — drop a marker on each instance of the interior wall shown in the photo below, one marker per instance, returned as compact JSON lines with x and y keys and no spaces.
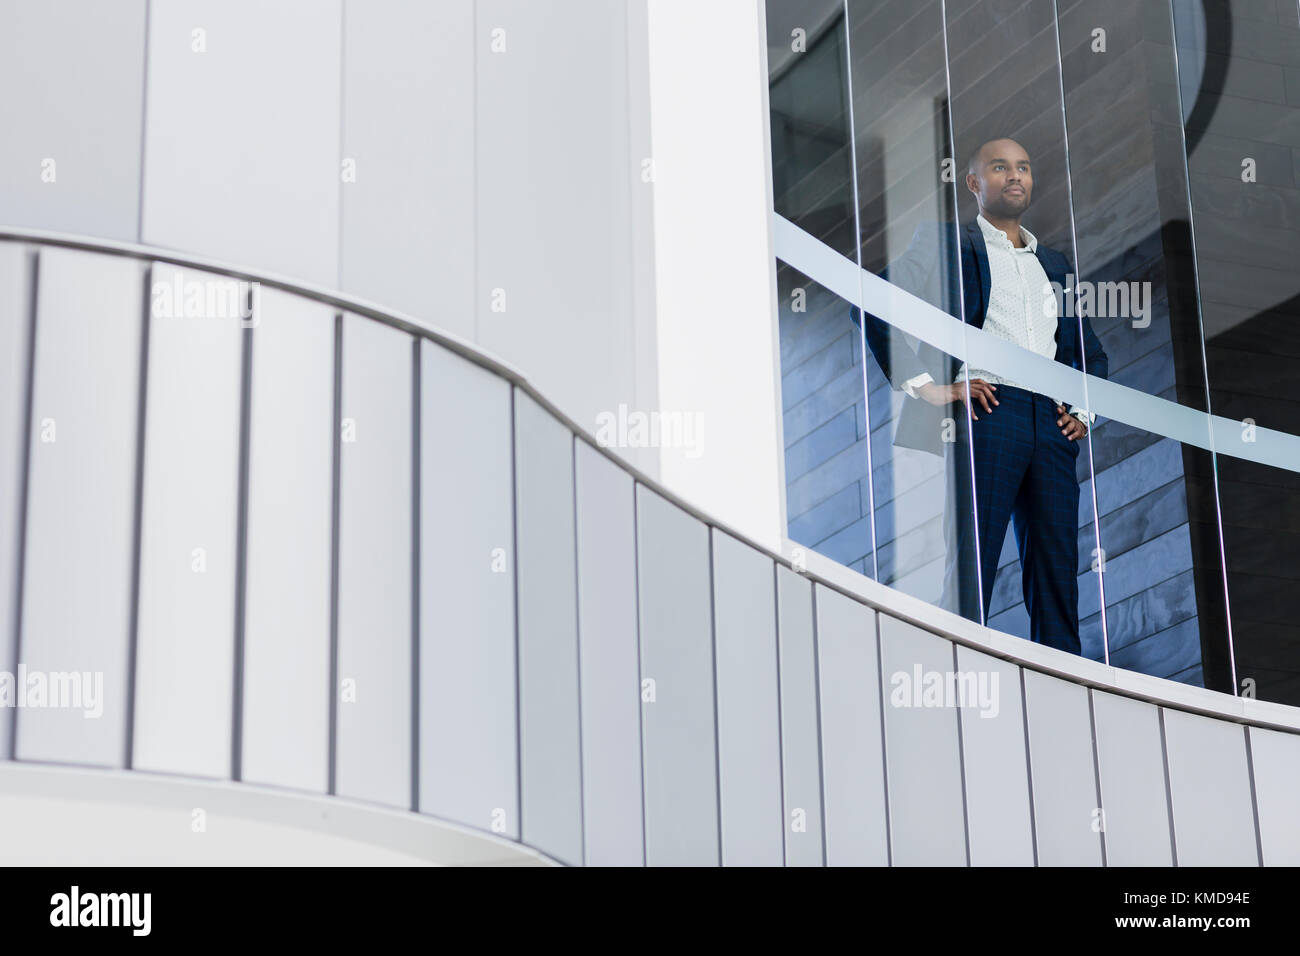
{"x":476,"y":164}
{"x":714,"y":273}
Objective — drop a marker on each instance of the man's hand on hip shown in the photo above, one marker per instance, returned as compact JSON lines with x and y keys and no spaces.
{"x":981,"y":394}
{"x":1072,"y":427}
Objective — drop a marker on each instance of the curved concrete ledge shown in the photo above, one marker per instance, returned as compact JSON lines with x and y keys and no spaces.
{"x":818,"y":568}
{"x":1157,"y":690}
{"x":75,"y":816}
{"x":773,"y":711}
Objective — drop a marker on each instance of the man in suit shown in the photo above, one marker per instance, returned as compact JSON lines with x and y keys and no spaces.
{"x":1021,"y":446}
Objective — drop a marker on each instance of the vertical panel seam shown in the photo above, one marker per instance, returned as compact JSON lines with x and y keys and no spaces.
{"x":1096,"y":774}
{"x":144,"y":126}
{"x":518,"y":566}
{"x":884,"y":741}
{"x":417,"y":444}
{"x":137,"y":530}
{"x":1254,"y":797}
{"x":630,"y":193}
{"x":817,"y":702}
{"x":1169,"y":787}
{"x":713,"y":654}
{"x":474,"y":187}
{"x":577,"y":645}
{"x":640,"y":673}
{"x":241,"y":544}
{"x":342,"y":140}
{"x":336,"y":445}
{"x":33,"y":265}
{"x":1029,"y":765}
{"x":961,"y":760}
{"x":780,"y":710}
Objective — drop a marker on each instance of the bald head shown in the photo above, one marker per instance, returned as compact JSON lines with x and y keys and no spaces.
{"x":994,"y":148}
{"x":1001,"y":178}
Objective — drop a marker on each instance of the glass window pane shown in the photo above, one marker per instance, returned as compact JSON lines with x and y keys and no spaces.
{"x":824,"y":408}
{"x":1012,"y":166}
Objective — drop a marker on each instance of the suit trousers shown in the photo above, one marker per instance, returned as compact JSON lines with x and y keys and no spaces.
{"x":1024,"y":472}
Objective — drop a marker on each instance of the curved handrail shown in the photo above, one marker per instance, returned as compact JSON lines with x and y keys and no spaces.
{"x":815,"y":567}
{"x":1158,"y":416}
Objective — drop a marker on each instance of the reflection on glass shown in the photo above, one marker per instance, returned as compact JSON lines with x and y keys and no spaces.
{"x":1004,"y":75}
{"x":907,"y":234}
{"x":824,"y":409}
{"x":1132,"y":222}
{"x":1156,"y":611}
{"x":1237,"y":65}
{"x":825,"y":423}
{"x":1160,"y":135}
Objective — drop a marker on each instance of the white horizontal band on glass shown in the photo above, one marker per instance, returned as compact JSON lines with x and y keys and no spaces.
{"x":981,"y":349}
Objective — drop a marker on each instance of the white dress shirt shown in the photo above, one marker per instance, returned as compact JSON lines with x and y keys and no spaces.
{"x":1022,"y":309}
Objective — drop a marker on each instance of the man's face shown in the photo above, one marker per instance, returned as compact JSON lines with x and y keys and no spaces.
{"x":1002,"y":179}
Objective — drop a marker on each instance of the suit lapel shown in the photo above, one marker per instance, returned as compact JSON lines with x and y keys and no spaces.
{"x":1064,"y":328}
{"x":975,"y":239}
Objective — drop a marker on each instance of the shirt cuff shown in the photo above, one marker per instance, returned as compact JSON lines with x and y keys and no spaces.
{"x":1084,"y":416}
{"x":912,"y":384}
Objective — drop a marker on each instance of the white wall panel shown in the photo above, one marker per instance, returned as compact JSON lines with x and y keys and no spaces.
{"x":74,"y":72}
{"x":801,"y":764}
{"x":469,"y":756}
{"x":77,"y":583}
{"x":554,"y":240}
{"x":853,"y":766}
{"x":995,"y":770}
{"x":1209,"y":788}
{"x":286,"y":693}
{"x":549,"y":729}
{"x":15,"y":333}
{"x":375,"y":642}
{"x":715,"y":287}
{"x":242,"y":141}
{"x":926,"y":808}
{"x":611,"y":693}
{"x":1066,"y":810}
{"x":1275,"y":757}
{"x":749,"y":732}
{"x":1131,"y":761}
{"x":681,"y":771}
{"x":185,"y":643}
{"x":408,"y":113}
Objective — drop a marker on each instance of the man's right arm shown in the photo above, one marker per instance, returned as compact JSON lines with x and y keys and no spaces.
{"x":912,"y":384}
{"x":913,"y":272}
{"x":894,"y":356}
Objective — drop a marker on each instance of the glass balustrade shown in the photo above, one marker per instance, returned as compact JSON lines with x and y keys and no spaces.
{"x":1175,"y":296}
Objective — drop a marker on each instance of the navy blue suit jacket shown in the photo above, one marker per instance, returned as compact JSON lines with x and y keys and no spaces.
{"x":928,"y":269}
